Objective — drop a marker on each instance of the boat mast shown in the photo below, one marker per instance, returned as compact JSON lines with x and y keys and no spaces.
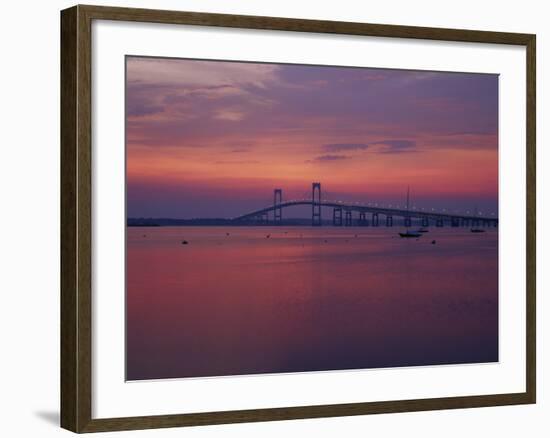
{"x":407,"y":220}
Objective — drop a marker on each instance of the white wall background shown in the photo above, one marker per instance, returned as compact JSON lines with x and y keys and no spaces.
{"x":29,"y":216}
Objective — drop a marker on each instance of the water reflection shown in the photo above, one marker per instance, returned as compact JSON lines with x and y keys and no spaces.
{"x":235,"y":301}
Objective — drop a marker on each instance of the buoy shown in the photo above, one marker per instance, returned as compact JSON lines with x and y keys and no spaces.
{"x":433,"y":242}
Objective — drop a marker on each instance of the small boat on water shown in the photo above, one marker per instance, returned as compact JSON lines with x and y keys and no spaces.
{"x":410,"y":234}
{"x":422,"y":230}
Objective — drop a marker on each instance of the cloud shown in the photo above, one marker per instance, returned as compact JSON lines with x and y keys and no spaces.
{"x":336,"y":147}
{"x":184,"y":95}
{"x":382,"y":147}
{"x":184,"y":92}
{"x":328,"y":157}
{"x":188,"y":72}
{"x":229,"y":115}
{"x":395,"y":146}
{"x":141,"y":110}
{"x":473,"y":132}
{"x":237,"y":162}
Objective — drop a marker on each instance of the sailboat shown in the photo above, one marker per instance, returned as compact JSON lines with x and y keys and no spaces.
{"x":407,"y":233}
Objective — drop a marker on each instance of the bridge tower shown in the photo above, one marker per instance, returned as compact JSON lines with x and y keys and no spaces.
{"x":348,"y":218}
{"x":407,"y":218}
{"x":278,"y":210}
{"x":316,"y":204}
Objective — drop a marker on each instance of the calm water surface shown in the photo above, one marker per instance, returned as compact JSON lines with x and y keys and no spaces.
{"x":307,"y":299}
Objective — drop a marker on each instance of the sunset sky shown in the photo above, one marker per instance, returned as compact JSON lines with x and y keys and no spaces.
{"x":213,"y":139}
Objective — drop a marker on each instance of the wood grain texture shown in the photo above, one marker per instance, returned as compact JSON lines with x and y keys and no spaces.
{"x":69,"y":327}
{"x":531,"y":211}
{"x":76,"y":222}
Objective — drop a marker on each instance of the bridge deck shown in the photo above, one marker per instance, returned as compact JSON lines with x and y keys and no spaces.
{"x":370,"y":209}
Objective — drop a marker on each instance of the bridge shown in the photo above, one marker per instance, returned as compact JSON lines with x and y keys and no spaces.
{"x":365,"y":214}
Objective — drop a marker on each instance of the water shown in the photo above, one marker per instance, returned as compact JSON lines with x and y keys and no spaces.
{"x":307,"y":299}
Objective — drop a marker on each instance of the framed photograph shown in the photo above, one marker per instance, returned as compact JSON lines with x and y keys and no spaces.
{"x":270,"y":218}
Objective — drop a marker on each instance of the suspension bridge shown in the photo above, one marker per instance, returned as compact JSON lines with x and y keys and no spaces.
{"x":365,"y":214}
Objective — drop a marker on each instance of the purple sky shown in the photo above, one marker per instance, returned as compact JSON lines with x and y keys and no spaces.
{"x":213,"y":139}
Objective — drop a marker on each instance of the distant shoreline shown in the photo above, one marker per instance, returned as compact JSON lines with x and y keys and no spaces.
{"x":169,"y":222}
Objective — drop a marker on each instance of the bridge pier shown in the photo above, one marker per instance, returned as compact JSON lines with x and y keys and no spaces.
{"x":316,"y":204}
{"x":439,"y":223}
{"x":337,"y":217}
{"x":363,"y":219}
{"x":455,"y":222}
{"x":375,"y":219}
{"x":348,"y":218}
{"x":408,"y":221}
{"x":464,"y":222}
{"x":389,"y":221}
{"x":262,"y":219}
{"x":495,"y":223}
{"x":475,"y":223}
{"x":425,"y":222}
{"x":278,"y":211}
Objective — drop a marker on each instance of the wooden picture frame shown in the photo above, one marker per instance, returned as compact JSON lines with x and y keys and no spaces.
{"x":76,"y":218}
